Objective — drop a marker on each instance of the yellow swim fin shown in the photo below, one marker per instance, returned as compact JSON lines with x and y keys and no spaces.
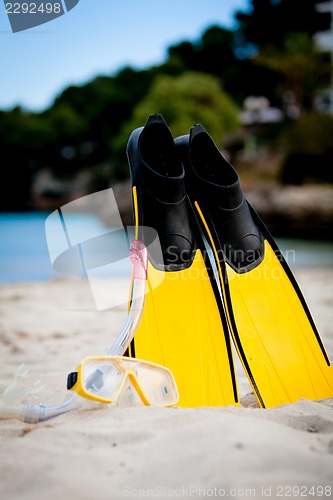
{"x":273,"y":331}
{"x":183,"y":326}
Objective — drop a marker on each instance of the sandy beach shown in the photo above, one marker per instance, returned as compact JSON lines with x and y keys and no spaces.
{"x":120,"y":452}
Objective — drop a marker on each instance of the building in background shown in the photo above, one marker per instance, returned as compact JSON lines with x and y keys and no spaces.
{"x":325,"y":41}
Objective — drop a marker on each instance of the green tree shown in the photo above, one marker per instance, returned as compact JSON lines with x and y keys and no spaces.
{"x":183,"y":101}
{"x":24,"y":139}
{"x":93,"y":113}
{"x":269,"y":21}
{"x":212,"y":53}
{"x":309,"y":147}
{"x":303,"y":68}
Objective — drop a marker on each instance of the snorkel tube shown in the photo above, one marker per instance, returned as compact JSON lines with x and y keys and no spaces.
{"x":11,"y":405}
{"x":139,"y":259}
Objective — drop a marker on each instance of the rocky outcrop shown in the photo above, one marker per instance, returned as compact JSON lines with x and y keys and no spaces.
{"x":298,"y":211}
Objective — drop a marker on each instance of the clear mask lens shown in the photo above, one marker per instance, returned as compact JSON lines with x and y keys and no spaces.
{"x":157,"y":385}
{"x":104,"y":378}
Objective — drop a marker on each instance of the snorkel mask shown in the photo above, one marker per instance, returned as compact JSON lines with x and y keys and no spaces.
{"x":102,"y":378}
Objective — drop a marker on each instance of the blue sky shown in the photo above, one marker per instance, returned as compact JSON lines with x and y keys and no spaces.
{"x":98,"y":37}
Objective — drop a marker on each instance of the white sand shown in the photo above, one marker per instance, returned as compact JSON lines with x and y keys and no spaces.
{"x":144,"y":452}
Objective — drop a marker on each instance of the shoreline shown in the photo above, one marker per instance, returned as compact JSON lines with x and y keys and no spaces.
{"x":298,"y":211}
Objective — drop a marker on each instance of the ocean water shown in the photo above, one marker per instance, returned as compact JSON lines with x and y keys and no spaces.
{"x":25,"y":256}
{"x":28,"y":251}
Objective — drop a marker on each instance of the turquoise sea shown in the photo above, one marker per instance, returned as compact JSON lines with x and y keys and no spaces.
{"x":27,"y":250}
{"x":24,"y":253}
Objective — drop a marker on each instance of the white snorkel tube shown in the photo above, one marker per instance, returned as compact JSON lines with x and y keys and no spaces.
{"x":11,"y":405}
{"x":139,"y":260}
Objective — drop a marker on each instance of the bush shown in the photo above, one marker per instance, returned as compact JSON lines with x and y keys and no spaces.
{"x":309,"y":146}
{"x":183,"y":101}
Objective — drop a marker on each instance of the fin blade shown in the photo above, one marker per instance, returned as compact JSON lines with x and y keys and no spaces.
{"x":281,"y":347}
{"x":181,"y":328}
